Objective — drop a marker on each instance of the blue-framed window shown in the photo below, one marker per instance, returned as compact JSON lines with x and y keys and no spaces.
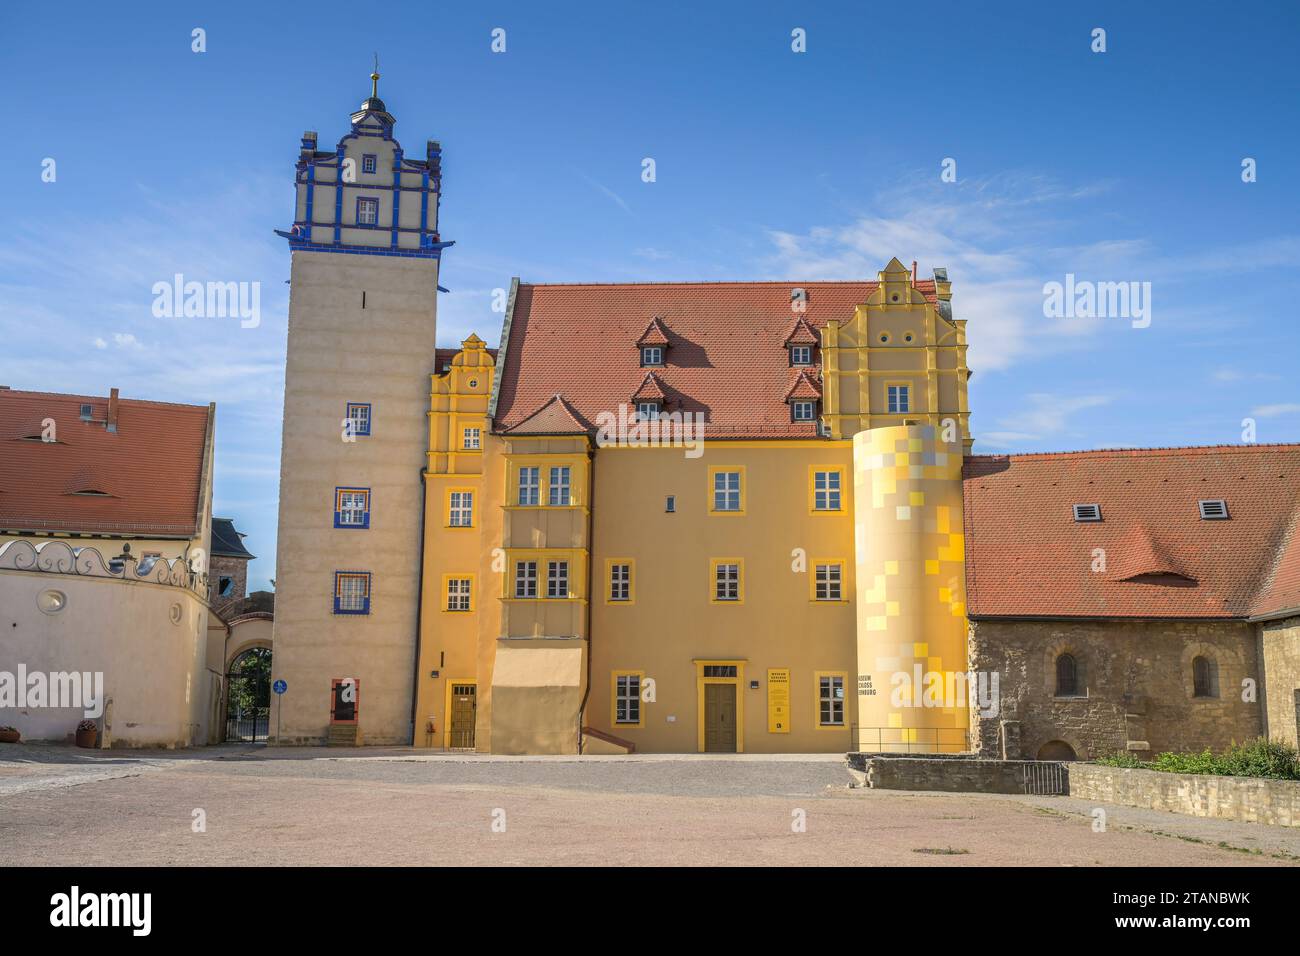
{"x":367,"y":211}
{"x":352,"y":507}
{"x":801,"y":355}
{"x":351,"y":592}
{"x":369,"y":163}
{"x":358,"y":413}
{"x":801,"y":411}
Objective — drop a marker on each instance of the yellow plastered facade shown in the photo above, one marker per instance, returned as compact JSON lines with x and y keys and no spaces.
{"x":896,"y":536}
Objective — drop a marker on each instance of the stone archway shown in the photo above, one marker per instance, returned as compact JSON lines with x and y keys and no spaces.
{"x":1056,"y":750}
{"x":248,"y":696}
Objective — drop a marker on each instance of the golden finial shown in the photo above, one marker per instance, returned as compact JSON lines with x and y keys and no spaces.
{"x":374,"y":79}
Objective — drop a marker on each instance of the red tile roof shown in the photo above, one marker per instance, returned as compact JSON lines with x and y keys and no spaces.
{"x":800,"y":334}
{"x":1026,"y":556}
{"x":150,"y":469}
{"x":555,"y":417}
{"x":726,"y":355}
{"x":654,"y":334}
{"x":802,"y":386}
{"x":651,"y":390}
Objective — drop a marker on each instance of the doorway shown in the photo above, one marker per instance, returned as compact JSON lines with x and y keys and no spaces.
{"x":248,"y":697}
{"x":462,"y":714}
{"x":720,"y":718}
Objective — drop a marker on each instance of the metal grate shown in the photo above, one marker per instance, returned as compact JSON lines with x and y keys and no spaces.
{"x":1087,"y":512}
{"x":1213,"y":509}
{"x":1045,"y":778}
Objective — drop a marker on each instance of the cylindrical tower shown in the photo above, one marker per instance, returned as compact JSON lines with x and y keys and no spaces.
{"x":911,"y":603}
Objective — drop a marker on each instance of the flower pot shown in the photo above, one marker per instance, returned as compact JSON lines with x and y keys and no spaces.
{"x":9,"y":736}
{"x":87,"y":738}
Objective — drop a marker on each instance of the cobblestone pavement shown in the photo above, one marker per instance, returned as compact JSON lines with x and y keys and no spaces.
{"x":396,"y":806}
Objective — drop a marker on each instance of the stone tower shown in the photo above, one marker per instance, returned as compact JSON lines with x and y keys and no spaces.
{"x":363,"y":282}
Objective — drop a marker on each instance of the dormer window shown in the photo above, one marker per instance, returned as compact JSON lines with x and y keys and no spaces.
{"x":801,"y":355}
{"x":652,"y":355}
{"x":803,"y":411}
{"x":648,"y":411}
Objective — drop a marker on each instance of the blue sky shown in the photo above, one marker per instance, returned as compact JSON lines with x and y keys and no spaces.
{"x":771,"y":164}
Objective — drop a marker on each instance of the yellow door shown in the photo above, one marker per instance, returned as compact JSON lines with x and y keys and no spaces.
{"x":463,"y":711}
{"x":720,"y":718}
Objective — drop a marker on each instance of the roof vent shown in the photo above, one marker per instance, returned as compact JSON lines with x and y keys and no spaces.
{"x":1213,"y":509}
{"x":1087,"y":512}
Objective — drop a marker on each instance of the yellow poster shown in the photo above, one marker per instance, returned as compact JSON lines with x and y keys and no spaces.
{"x":778,"y":700}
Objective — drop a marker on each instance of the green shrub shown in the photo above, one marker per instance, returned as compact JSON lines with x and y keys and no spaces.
{"x":1124,"y":759}
{"x":1257,"y":758}
{"x":1174,"y":762}
{"x":1262,"y":758}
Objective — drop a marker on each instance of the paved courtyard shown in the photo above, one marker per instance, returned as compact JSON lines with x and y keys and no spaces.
{"x":59,"y":805}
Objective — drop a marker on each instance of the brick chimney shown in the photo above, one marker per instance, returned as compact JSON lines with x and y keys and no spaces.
{"x":111,"y":422}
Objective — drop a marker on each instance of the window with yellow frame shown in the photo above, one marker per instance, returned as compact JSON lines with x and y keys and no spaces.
{"x":727,"y":580}
{"x":460,"y":507}
{"x":826,"y":489}
{"x":620,"y":581}
{"x":547,"y":481}
{"x":726,"y":490}
{"x":831,"y":700}
{"x":458,"y":592}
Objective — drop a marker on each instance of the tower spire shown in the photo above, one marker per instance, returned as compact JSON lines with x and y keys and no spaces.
{"x":374,"y":80}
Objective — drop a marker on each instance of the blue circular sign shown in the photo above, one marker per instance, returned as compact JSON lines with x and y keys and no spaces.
{"x":280,"y":686}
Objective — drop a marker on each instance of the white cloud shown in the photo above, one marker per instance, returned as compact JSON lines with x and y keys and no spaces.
{"x":1045,"y":416}
{"x":992,"y":236}
{"x":1273,"y":411}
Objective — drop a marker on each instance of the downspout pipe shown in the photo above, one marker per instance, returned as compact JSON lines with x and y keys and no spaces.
{"x":419,"y":606}
{"x":591,"y":580}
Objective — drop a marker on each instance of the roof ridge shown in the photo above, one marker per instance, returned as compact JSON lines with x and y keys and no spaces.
{"x":1162,"y":450}
{"x":702,"y":282}
{"x":100,"y":398}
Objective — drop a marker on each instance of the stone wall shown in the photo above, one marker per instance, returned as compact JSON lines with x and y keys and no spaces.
{"x":955,"y":773}
{"x":225,"y":567}
{"x":1279,"y":643}
{"x":1135,"y":686}
{"x":1246,"y":799}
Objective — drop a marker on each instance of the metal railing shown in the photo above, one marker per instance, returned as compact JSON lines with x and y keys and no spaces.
{"x":910,"y":740}
{"x":248,"y":728}
{"x":1045,"y":778}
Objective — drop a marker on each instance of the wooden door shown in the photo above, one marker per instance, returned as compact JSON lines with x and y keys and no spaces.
{"x":463,"y":711}
{"x":720,"y":718}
